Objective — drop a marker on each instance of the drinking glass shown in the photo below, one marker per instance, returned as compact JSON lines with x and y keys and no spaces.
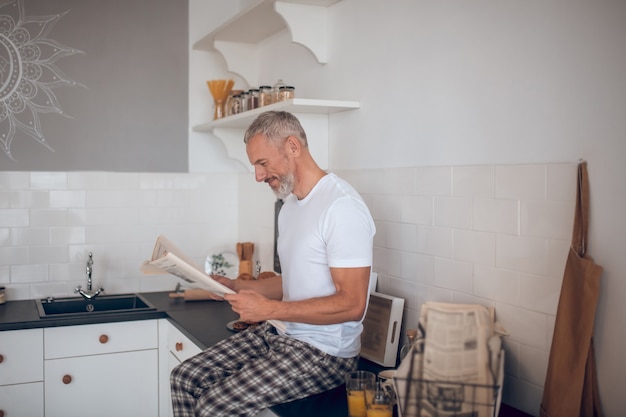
{"x":357,"y":383}
{"x":379,"y":401}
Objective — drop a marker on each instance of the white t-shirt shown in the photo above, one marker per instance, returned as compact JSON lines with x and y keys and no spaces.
{"x":330,"y":227}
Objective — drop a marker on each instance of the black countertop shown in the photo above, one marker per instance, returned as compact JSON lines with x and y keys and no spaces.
{"x":204,"y":322}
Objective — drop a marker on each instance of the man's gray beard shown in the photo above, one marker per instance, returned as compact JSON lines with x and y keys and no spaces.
{"x":286,"y":186}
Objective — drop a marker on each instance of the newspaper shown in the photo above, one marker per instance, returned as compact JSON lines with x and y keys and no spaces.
{"x":166,"y":257}
{"x":459,"y":372}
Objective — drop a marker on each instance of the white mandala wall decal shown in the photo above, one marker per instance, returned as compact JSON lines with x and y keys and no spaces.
{"x":28,"y":73}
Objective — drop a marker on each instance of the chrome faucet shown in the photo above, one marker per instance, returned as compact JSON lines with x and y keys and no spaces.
{"x":89,"y":294}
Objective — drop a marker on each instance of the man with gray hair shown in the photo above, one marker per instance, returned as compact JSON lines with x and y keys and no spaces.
{"x":325,"y":239}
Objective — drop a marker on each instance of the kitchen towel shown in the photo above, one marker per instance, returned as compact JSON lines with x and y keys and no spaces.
{"x":571,"y":387}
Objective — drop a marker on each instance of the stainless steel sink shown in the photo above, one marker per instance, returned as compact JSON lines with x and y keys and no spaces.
{"x":103,"y":304}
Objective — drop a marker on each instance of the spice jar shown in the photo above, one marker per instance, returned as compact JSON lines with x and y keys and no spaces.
{"x":244,"y":101}
{"x":265,"y":95}
{"x":276,"y":91}
{"x":3,"y":297}
{"x":286,"y":92}
{"x":253,"y":98}
{"x":230,"y":102}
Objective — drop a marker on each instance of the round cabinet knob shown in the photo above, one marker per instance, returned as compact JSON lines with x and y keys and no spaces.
{"x":179,"y":346}
{"x":1,"y":360}
{"x":103,"y":338}
{"x":67,"y":379}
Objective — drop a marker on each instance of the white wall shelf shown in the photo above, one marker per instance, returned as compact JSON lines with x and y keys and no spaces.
{"x":312,"y":113}
{"x":294,"y":105}
{"x":238,"y":38}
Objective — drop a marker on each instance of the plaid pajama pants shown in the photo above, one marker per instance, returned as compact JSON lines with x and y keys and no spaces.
{"x":250,"y":371}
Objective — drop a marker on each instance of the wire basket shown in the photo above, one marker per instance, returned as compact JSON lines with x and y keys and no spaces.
{"x":427,"y":398}
{"x":421,"y":397}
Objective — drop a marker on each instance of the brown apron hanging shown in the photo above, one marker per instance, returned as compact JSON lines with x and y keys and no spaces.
{"x":571,"y":387}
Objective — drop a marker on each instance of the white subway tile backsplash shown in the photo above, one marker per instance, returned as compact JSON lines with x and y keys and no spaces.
{"x":417,"y":267}
{"x":67,"y":199}
{"x":436,"y":241}
{"x":562,"y":182}
{"x":387,"y":261}
{"x":398,"y":288}
{"x":473,"y":181}
{"x":402,"y":236}
{"x":13,"y":217}
{"x":520,"y":253}
{"x":48,"y":217}
{"x":30,"y":199}
{"x":524,"y":326}
{"x":54,"y":219}
{"x":14,"y":180}
{"x":417,"y":210}
{"x":497,"y":284}
{"x":498,"y":216}
{"x":67,"y":235}
{"x":5,"y":274}
{"x":454,"y":275}
{"x":556,"y":255}
{"x":27,"y":236}
{"x":33,"y":272}
{"x":48,"y":180}
{"x":474,"y":246}
{"x":5,"y":199}
{"x":104,"y":198}
{"x":523,"y":182}
{"x":540,"y":293}
{"x":400,"y":181}
{"x":87,"y":180}
{"x":547,"y":218}
{"x":156,"y":181}
{"x":48,"y":254}
{"x":453,"y":212}
{"x":436,"y":181}
{"x":386,"y":207}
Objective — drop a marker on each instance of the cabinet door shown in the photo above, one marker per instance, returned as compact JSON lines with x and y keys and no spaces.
{"x":180,"y":345}
{"x":21,"y":356}
{"x":117,"y":384}
{"x":174,"y":347}
{"x":92,"y":339}
{"x":22,"y":400}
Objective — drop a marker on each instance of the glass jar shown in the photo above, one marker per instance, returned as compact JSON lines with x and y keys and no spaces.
{"x":253,"y":98}
{"x":411,"y":335}
{"x":276,"y":91}
{"x":286,"y":92}
{"x":265,"y":95}
{"x":230,"y":102}
{"x":244,"y":101}
{"x":236,"y":104}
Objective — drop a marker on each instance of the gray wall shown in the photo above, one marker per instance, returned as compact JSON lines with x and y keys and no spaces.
{"x":129,"y":111}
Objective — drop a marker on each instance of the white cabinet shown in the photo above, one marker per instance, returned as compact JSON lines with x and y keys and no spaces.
{"x":102,"y":369}
{"x":21,"y":373}
{"x":174,"y":347}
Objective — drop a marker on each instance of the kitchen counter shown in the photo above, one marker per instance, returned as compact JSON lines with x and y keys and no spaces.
{"x":204,"y":322}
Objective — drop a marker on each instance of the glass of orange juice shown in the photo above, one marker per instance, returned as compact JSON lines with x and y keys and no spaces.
{"x":379,"y":401}
{"x":357,"y":383}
